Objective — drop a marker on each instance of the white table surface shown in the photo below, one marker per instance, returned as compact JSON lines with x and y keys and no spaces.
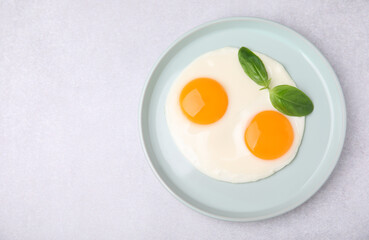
{"x":71,"y":74}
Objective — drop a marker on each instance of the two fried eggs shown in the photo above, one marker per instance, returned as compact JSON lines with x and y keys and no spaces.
{"x":225,"y":125}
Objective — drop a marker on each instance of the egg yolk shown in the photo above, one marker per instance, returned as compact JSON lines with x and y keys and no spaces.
{"x":203,"y":101}
{"x":269,"y":135}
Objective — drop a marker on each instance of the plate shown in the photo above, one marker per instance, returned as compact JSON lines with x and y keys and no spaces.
{"x":320,"y":148}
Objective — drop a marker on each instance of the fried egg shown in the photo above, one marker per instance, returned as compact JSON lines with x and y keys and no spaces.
{"x":224,"y":125}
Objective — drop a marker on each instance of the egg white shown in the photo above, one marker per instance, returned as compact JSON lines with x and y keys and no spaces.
{"x":218,"y":150}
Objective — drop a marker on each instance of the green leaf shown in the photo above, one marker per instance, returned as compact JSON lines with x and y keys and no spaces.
{"x":253,"y":67}
{"x":291,"y":101}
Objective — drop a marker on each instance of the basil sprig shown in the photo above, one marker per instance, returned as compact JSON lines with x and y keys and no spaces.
{"x":285,"y":98}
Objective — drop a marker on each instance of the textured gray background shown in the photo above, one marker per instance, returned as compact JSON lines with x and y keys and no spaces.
{"x":71,"y":165}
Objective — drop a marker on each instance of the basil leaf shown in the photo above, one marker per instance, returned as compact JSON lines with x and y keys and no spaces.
{"x":253,"y":67}
{"x":291,"y":101}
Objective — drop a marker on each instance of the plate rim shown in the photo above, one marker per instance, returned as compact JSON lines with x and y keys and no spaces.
{"x":298,"y":202}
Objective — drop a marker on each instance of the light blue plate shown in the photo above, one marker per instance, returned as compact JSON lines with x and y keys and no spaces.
{"x":320,"y":148}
